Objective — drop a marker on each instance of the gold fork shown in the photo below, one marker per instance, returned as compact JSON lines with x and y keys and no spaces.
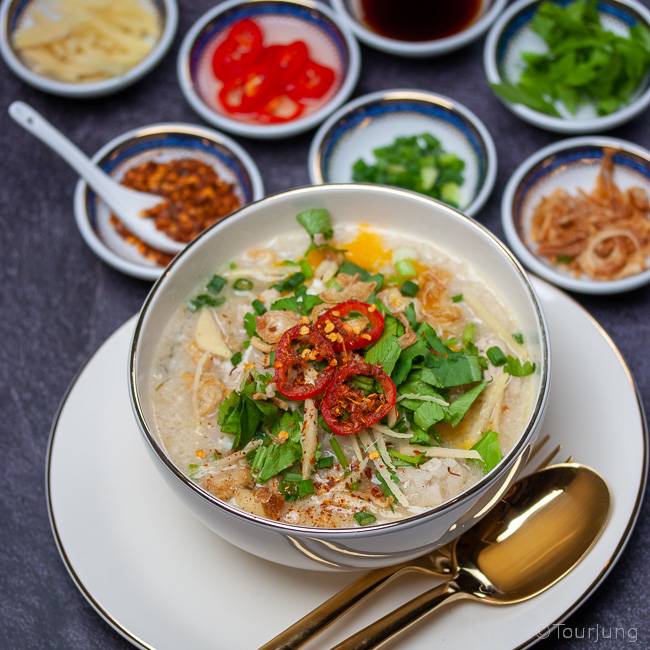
{"x":437,"y":563}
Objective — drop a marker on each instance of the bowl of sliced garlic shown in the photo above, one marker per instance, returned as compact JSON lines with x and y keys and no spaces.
{"x":77,"y":48}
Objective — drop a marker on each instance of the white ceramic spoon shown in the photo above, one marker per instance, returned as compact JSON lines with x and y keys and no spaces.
{"x":126,"y":203}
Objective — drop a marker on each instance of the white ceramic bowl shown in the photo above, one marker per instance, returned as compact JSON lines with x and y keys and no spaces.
{"x":159,"y":142}
{"x":419,"y":49}
{"x":510,"y":36}
{"x":570,"y":164}
{"x":376,"y":119}
{"x":374,"y":545}
{"x":168,"y":10}
{"x":291,"y":20}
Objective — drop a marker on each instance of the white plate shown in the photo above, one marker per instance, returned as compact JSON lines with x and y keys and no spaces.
{"x":162,"y":580}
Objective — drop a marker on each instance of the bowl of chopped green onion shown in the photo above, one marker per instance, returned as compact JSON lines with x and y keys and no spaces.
{"x":571,"y":67}
{"x":415,"y":140}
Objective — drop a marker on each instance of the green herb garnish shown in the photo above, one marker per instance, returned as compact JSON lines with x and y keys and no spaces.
{"x":495,"y":355}
{"x":409,"y":289}
{"x":416,"y":162}
{"x":316,"y":221}
{"x":516,"y":368}
{"x":242,"y":284}
{"x":325,"y":462}
{"x":489,"y":449}
{"x":250,"y":324}
{"x":258,"y":306}
{"x":364,"y":518}
{"x":204,"y":300}
{"x":519,"y":337}
{"x":584,"y":63}
{"x":338,"y":451}
{"x":457,"y":298}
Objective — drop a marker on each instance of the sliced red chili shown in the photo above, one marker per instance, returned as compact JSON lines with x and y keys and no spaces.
{"x":287,"y":61}
{"x":250,"y":91}
{"x":238,"y":51}
{"x":280,"y":109}
{"x":347,"y":408}
{"x":313,"y":81}
{"x":304,"y":363}
{"x":353,"y":324}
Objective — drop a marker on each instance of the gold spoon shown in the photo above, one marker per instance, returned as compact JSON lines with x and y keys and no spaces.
{"x":567,"y":504}
{"x":526,"y":544}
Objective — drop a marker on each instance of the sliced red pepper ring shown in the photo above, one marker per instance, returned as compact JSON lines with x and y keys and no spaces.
{"x":287,"y":60}
{"x":313,"y":82}
{"x":347,"y":409}
{"x":304,"y":363}
{"x":238,"y":51}
{"x":352,"y":324}
{"x":250,"y":91}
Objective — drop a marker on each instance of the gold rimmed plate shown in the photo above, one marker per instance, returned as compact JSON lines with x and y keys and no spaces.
{"x":162,"y":580}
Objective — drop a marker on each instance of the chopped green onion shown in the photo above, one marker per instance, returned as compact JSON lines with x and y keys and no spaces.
{"x":216,"y":284}
{"x":469,"y":333}
{"x":242,"y":284}
{"x":496,"y":356}
{"x":306,"y":269}
{"x":338,"y":451}
{"x":409,"y":289}
{"x":519,"y":337}
{"x":457,"y":298}
{"x":325,"y":462}
{"x":364,"y":518}
{"x":405,"y":269}
{"x":564,"y":259}
{"x":409,"y":312}
{"x":204,"y":300}
{"x":250,"y":324}
{"x":236,"y":358}
{"x":258,"y":306}
{"x":292,"y":282}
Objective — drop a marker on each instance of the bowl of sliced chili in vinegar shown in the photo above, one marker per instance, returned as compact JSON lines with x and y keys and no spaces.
{"x":204,"y":175}
{"x":269,"y":68}
{"x":290,"y":261}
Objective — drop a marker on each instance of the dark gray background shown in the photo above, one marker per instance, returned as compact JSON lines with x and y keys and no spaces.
{"x":59,"y":302}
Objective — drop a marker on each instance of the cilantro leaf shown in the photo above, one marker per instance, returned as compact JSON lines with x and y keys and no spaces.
{"x":516,"y":368}
{"x":489,"y":449}
{"x":316,"y":221}
{"x":459,"y":407}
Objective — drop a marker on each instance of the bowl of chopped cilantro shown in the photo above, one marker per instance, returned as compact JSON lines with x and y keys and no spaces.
{"x":415,"y":140}
{"x":571,"y":67}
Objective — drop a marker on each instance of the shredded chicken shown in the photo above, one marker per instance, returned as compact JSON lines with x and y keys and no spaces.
{"x":352,"y":289}
{"x":273,"y":324}
{"x":227,"y":483}
{"x":260,"y":345}
{"x":604,"y":234}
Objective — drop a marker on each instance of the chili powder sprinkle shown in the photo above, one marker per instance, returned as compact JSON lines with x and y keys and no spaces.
{"x":197,"y":197}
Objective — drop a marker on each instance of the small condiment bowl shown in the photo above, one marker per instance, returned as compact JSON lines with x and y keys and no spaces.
{"x":569,"y":164}
{"x":351,"y":11}
{"x":329,"y":40}
{"x":159,"y":142}
{"x":511,"y":35}
{"x":10,"y":14}
{"x":376,"y":119}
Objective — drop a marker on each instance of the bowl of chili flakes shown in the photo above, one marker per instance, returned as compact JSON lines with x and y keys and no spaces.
{"x":268,"y":68}
{"x":204,"y":175}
